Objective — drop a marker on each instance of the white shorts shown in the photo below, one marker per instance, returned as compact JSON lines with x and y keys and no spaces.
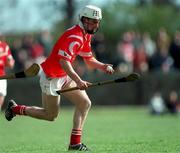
{"x":3,"y":87}
{"x":49,"y":86}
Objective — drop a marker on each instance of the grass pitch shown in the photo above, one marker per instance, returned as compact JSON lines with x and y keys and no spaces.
{"x":107,"y":130}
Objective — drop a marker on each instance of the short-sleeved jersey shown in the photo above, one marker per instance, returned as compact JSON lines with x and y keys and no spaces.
{"x":73,"y":42}
{"x":5,"y":54}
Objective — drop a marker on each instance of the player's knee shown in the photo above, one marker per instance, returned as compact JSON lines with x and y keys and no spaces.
{"x":87,"y":104}
{"x":52,"y":116}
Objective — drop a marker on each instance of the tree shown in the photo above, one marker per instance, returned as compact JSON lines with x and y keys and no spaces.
{"x":70,"y":11}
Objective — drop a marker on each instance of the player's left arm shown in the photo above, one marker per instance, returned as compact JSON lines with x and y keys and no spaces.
{"x":94,"y":63}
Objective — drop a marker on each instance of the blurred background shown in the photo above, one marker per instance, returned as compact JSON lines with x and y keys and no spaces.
{"x":135,"y":36}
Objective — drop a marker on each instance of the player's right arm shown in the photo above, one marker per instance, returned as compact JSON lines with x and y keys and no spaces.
{"x":66,"y":65}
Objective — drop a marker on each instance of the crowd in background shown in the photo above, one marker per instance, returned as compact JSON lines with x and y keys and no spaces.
{"x":160,"y":105}
{"x":135,"y":51}
{"x":139,"y":52}
{"x":30,"y":49}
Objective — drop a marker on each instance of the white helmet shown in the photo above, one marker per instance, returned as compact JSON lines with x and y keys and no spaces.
{"x":91,"y":12}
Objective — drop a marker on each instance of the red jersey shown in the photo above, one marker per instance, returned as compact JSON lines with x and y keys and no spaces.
{"x":5,"y":54}
{"x":73,"y":42}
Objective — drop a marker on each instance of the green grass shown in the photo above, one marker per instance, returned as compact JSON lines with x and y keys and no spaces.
{"x":107,"y":130}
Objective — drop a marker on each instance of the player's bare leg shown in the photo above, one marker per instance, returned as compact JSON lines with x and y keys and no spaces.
{"x":49,"y":110}
{"x":82,"y":105}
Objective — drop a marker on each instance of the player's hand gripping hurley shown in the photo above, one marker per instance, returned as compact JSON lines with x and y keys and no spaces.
{"x":129,"y":78}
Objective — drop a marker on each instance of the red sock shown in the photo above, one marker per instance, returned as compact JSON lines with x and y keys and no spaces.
{"x":19,"y":109}
{"x":75,"y":136}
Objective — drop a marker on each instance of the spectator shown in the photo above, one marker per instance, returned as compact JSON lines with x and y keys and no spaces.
{"x":33,"y":49}
{"x":16,"y":53}
{"x":163,"y":41}
{"x":140,"y":57}
{"x":149,"y":45}
{"x":37,"y":52}
{"x":157,"y":104}
{"x":45,"y":39}
{"x":161,"y":60}
{"x":175,"y":50}
{"x":99,"y":47}
{"x":126,"y":51}
{"x":172,"y":103}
